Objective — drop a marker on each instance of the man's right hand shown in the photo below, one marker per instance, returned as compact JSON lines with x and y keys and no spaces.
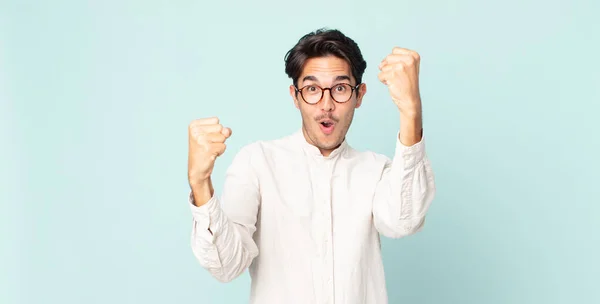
{"x":206,"y":139}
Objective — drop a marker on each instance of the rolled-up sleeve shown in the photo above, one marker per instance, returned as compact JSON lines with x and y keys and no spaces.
{"x":405,"y":191}
{"x":222,"y":229}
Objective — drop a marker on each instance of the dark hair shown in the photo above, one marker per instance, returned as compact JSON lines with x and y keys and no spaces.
{"x":324,"y":42}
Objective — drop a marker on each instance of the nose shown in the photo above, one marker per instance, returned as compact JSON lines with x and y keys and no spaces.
{"x":327,"y":104}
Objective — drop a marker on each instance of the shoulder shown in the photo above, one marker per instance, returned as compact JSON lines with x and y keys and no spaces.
{"x":367,"y":158}
{"x":367,"y":155}
{"x":260,"y":149}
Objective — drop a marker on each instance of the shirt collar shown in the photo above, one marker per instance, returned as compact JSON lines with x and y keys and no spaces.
{"x":312,"y":150}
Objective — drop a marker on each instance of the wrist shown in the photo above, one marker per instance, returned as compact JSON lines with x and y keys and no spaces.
{"x":202,"y":191}
{"x":410,"y":110}
{"x":411,"y":128}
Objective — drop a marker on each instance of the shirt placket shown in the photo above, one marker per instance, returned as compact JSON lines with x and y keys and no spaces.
{"x":325,"y":183}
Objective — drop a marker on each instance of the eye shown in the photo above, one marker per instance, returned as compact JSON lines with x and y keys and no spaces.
{"x":340,"y":88}
{"x":311,"y":89}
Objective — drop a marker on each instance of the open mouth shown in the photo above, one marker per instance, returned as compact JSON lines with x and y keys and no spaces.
{"x":327,"y":126}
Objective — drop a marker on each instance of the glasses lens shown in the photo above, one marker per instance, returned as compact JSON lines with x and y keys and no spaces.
{"x":311,"y":94}
{"x":341,"y":92}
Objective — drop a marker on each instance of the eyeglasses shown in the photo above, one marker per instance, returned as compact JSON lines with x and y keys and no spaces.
{"x":340,"y":92}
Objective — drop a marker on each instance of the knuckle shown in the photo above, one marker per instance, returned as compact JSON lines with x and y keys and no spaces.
{"x":217,"y":149}
{"x":204,"y":139}
{"x":213,"y":120}
{"x":201,"y":141}
{"x":209,"y":147}
{"x":217,"y":137}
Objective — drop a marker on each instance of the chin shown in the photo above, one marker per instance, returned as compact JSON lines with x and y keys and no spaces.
{"x":329,"y":141}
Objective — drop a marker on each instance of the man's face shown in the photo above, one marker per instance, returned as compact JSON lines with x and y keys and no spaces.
{"x":326,"y":123}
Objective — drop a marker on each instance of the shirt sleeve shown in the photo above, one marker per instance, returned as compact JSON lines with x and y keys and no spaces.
{"x":405,"y":191}
{"x":223,"y":228}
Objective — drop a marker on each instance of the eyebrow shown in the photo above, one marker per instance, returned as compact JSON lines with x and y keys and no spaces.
{"x":338,"y":78}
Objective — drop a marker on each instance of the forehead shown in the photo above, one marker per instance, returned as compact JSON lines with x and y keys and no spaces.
{"x":325,"y":68}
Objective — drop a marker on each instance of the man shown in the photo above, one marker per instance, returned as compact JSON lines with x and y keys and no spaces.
{"x":304,"y":212}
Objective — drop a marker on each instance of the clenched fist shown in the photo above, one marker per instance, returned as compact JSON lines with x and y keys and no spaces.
{"x":206,"y":142}
{"x":400,"y":72}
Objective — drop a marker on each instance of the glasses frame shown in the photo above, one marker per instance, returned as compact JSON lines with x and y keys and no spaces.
{"x":353,"y":88}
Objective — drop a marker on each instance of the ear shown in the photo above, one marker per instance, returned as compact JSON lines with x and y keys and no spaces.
{"x":362,"y":90}
{"x":293,"y":94}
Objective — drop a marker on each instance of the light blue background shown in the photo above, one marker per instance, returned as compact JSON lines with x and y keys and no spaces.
{"x":96,"y":97}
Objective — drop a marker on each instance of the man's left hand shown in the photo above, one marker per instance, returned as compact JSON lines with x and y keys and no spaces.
{"x":400,"y":72}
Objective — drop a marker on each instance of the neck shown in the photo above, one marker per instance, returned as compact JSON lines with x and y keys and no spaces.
{"x":326,"y":152}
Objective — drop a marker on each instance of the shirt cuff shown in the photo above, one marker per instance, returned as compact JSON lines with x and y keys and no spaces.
{"x":411,"y":155}
{"x":206,"y":218}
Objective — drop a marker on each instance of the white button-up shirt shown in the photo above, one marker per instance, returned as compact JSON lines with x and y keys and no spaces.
{"x":307,"y":226}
